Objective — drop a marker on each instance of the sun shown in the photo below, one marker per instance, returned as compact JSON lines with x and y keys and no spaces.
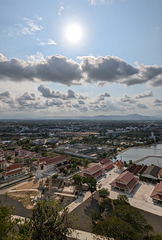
{"x":73,"y":33}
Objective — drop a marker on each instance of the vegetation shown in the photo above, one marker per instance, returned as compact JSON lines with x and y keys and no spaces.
{"x":7,"y":230}
{"x":121,"y":220}
{"x":48,"y":222}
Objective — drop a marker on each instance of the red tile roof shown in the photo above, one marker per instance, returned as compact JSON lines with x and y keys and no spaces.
{"x":105,"y":160}
{"x":157,"y":192}
{"x":125,"y":177}
{"x":125,"y":181}
{"x":93,"y":169}
{"x":12,"y":173}
{"x":14,"y":166}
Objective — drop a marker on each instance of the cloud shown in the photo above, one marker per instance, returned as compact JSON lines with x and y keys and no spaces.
{"x":81,"y":102}
{"x":103,"y":96}
{"x":55,"y":69}
{"x":127,"y":99}
{"x":69,"y":72}
{"x":109,"y":69}
{"x":144,"y":95}
{"x":48,"y":93}
{"x":61,"y":9}
{"x":48,"y":42}
{"x":94,"y":2}
{"x":54,"y":102}
{"x":29,"y":27}
{"x":142,"y":106}
{"x":4,"y":95}
{"x":27,"y":96}
{"x":158,"y":102}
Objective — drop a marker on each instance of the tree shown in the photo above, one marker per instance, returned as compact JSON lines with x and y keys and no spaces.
{"x":91,"y":182}
{"x":132,"y":216}
{"x":121,"y":200}
{"x":7,"y":230}
{"x":116,"y":228}
{"x":47,"y":222}
{"x":78,"y":179}
{"x":106,"y":205}
{"x":104,"y":193}
{"x":85,"y":162}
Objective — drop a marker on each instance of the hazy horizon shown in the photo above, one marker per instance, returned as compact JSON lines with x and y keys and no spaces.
{"x":80,"y":58}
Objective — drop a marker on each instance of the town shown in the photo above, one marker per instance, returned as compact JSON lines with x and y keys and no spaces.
{"x":72,"y":162}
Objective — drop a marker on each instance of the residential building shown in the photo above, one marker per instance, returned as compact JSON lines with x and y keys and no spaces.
{"x":106,"y":163}
{"x":151,"y":172}
{"x":2,"y":160}
{"x":156,"y":195}
{"x":126,"y":182}
{"x":13,"y":171}
{"x":96,"y":171}
{"x":48,"y":164}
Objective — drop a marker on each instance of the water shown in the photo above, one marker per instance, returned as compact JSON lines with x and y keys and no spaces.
{"x":135,"y":154}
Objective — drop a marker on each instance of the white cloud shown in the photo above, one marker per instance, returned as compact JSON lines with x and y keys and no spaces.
{"x":29,"y":27}
{"x":48,"y":42}
{"x":61,"y":9}
{"x":94,"y":2}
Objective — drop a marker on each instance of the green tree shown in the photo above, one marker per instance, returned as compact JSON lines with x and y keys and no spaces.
{"x":7,"y":230}
{"x":132,"y":216}
{"x":116,"y":228}
{"x":78,"y":179}
{"x":121,"y":200}
{"x":47,"y":222}
{"x":92,"y":183}
{"x":106,"y":205}
{"x":104,"y":193}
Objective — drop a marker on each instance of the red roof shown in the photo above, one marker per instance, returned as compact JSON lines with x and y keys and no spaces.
{"x":49,"y":160}
{"x":12,"y":173}
{"x":125,"y":177}
{"x":14,"y":166}
{"x":107,"y":167}
{"x":119,"y":164}
{"x":56,"y":160}
{"x":128,"y":186}
{"x":105,"y":160}
{"x":157,"y":192}
{"x":125,"y":181}
{"x":93,"y":169}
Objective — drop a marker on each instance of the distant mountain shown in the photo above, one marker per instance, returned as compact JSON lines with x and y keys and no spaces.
{"x":135,"y":117}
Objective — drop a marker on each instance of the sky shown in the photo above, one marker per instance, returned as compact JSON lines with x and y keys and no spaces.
{"x":80,"y":58}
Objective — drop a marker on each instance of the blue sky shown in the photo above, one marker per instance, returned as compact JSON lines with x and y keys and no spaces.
{"x":115,"y":66}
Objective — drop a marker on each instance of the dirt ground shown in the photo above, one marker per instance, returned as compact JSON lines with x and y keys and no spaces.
{"x":24,"y":197}
{"x":34,"y":184}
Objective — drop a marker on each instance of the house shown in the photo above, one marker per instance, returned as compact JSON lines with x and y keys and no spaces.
{"x":13,"y":171}
{"x":48,"y":164}
{"x":151,"y":172}
{"x":106,"y":163}
{"x":156,"y":195}
{"x":126,"y":182}
{"x":95,"y":171}
{"x":2,"y":160}
{"x":136,"y":169}
{"x":160,"y":174}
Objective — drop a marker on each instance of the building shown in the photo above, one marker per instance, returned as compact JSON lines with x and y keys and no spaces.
{"x":156,"y":195}
{"x":49,"y":164}
{"x":106,"y":163}
{"x":2,"y":160}
{"x":151,"y":172}
{"x":96,"y":171}
{"x":160,"y":174}
{"x":137,"y":169}
{"x":125,"y":182}
{"x":13,"y":171}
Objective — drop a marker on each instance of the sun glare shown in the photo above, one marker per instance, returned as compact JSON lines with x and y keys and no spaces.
{"x":73,"y":33}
